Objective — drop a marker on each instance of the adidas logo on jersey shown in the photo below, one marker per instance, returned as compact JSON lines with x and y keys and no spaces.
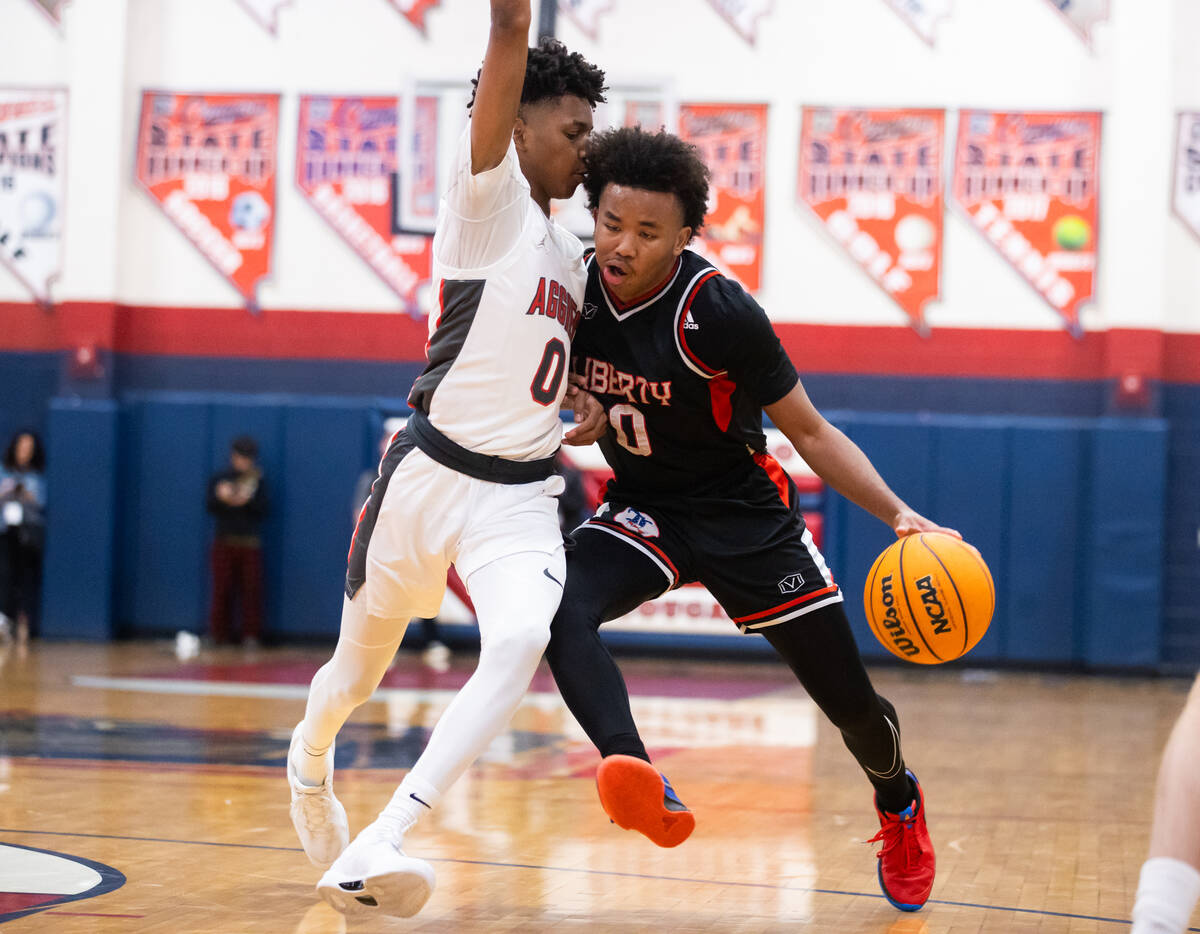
{"x":689,"y":323}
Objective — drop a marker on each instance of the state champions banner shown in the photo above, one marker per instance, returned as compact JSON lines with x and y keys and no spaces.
{"x":743,"y":15}
{"x":32,"y":185}
{"x":209,"y":160}
{"x":874,"y":180}
{"x":1185,"y":194}
{"x":1029,"y":182}
{"x":586,"y":14}
{"x":922,"y":15}
{"x":414,"y":11}
{"x":1082,"y":15}
{"x":346,"y":166}
{"x":732,"y":139}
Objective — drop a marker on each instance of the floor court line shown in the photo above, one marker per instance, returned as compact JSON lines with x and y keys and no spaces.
{"x":596,"y":872}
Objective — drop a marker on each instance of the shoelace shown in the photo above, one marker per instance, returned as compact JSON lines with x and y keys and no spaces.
{"x":898,"y":832}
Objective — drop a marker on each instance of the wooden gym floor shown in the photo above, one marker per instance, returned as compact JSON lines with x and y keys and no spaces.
{"x":159,"y":785}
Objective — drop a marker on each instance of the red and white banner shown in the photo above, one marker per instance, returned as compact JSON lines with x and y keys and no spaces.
{"x":874,"y":180}
{"x":1185,"y":195}
{"x":732,"y":139}
{"x":414,"y":10}
{"x":586,"y":14}
{"x":743,"y":15}
{"x":33,"y":126}
{"x":922,"y":15}
{"x":346,"y":166}
{"x":1030,"y":183}
{"x":265,"y":12}
{"x":52,"y":8}
{"x":209,"y":160}
{"x":1082,"y":15}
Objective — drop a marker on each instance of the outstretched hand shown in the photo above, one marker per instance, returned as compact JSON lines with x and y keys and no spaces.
{"x":908,"y":522}
{"x":590,"y":420}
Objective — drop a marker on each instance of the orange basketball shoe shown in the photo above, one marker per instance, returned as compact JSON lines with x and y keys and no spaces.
{"x":906,"y":861}
{"x":637,"y":797}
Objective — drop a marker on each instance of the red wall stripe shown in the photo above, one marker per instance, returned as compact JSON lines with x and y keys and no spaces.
{"x":346,"y":335}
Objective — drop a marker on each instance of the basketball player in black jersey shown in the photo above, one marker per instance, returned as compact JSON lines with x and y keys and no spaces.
{"x":685,"y":363}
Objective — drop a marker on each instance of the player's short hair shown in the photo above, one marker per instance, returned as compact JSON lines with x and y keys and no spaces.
{"x":551,"y":71}
{"x":634,"y":158}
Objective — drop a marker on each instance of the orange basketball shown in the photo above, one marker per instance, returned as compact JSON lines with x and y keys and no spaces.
{"x":929,"y":598}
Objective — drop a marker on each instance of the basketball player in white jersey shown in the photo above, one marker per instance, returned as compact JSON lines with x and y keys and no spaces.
{"x":470,"y":479}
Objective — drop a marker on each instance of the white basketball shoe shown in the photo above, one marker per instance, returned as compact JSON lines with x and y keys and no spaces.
{"x":318,"y":816}
{"x":374,"y":877}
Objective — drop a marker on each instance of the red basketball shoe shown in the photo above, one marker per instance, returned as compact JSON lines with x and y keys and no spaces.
{"x":637,"y":797}
{"x":906,"y":861}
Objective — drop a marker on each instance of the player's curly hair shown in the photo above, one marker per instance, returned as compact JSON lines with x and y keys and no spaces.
{"x":634,"y":158}
{"x":551,"y":71}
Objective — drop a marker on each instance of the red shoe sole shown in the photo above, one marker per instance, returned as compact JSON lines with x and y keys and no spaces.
{"x":631,"y":793}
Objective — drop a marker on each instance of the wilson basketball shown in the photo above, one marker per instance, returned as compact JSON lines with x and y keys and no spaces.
{"x":929,"y":598}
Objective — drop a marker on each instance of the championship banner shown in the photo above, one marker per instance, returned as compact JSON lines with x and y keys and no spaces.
{"x":922,"y":15}
{"x":32,"y":186}
{"x":874,"y":180}
{"x":414,"y":10}
{"x":732,"y":139}
{"x":346,"y":166}
{"x":1029,"y":182}
{"x":586,"y":14}
{"x":743,"y":15}
{"x":265,"y":12}
{"x":52,"y":8}
{"x":209,"y":161}
{"x":1082,"y":15}
{"x":1185,"y":199}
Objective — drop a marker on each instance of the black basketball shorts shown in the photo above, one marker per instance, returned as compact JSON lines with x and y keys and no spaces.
{"x":752,"y":551}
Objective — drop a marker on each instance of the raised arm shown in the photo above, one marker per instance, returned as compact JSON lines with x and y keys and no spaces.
{"x":498,"y":95}
{"x":842,"y":464}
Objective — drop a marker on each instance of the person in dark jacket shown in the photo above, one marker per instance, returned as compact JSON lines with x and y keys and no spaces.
{"x":237,"y":497}
{"x":22,"y":533}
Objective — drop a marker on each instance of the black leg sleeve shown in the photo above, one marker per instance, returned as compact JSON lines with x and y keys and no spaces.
{"x":606,"y":579}
{"x":819,"y":647}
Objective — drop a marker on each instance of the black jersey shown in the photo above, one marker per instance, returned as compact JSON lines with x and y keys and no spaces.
{"x":683,"y":374}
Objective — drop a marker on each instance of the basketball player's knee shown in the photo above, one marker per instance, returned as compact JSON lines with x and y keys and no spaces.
{"x":860,"y":715}
{"x":517,"y":645}
{"x":577,"y":613}
{"x":348,"y":691}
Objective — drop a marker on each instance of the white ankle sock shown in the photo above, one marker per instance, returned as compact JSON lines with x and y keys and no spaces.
{"x":1166,"y":895}
{"x":311,"y":765}
{"x":412,"y":799}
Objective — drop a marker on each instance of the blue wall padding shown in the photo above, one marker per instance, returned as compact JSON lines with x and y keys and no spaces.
{"x":81,"y":478}
{"x":1068,"y":514}
{"x":1043,"y":559}
{"x":975,"y":502}
{"x":163,"y":553}
{"x":312,"y":451}
{"x":1125,"y":545}
{"x":323,"y":457}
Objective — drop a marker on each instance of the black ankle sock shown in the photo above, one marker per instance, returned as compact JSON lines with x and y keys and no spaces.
{"x":625,"y":744}
{"x":897,"y":796}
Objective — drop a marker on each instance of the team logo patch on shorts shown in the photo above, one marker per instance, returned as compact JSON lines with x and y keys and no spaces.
{"x":791,"y":583}
{"x":637,"y":522}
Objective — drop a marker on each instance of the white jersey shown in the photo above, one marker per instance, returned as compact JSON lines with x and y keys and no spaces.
{"x":508,"y":288}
